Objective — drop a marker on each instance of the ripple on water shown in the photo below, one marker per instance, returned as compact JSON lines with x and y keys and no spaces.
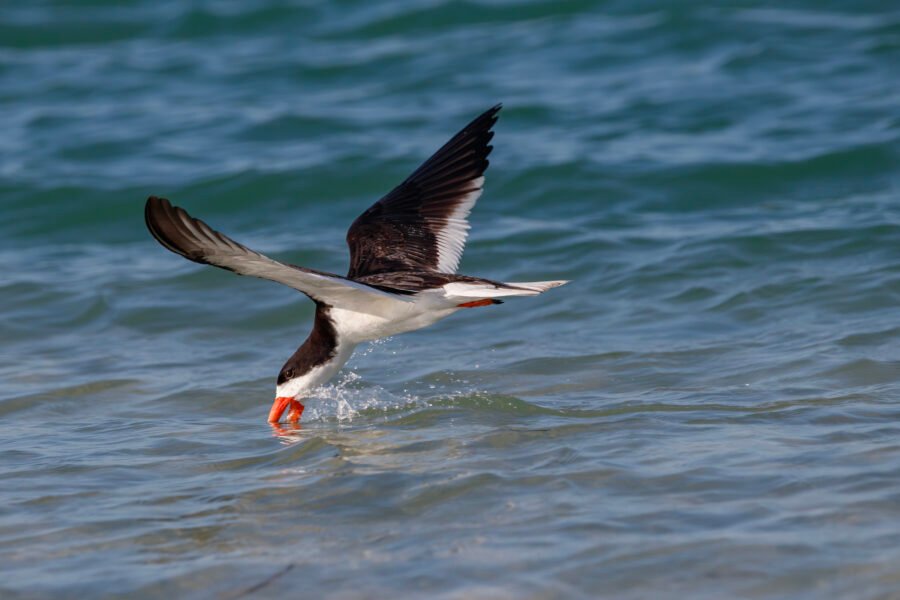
{"x":708,"y":410}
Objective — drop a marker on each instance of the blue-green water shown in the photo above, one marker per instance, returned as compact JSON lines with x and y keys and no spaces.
{"x":709,"y":410}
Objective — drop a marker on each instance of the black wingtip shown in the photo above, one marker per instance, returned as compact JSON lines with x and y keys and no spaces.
{"x":485,"y":121}
{"x":164,"y":221}
{"x":156,"y":218}
{"x":153,"y":207}
{"x":493,"y":113}
{"x":156,"y":200}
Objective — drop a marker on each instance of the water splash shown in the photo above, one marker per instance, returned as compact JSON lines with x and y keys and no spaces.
{"x":350,"y":396}
{"x":344,"y":400}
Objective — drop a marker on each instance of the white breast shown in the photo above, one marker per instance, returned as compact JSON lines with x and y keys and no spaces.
{"x":356,"y":327}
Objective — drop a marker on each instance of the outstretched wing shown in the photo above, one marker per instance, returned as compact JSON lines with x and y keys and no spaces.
{"x":422,"y":223}
{"x":193,"y":239}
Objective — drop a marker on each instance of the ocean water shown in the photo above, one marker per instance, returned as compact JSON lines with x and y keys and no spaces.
{"x":709,"y":410}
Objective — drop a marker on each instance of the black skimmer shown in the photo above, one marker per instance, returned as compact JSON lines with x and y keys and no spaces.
{"x":404,"y":251}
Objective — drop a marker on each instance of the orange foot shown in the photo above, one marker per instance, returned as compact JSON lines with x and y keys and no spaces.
{"x":474,"y":303}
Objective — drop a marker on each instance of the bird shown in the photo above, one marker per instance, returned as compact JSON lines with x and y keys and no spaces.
{"x":404,"y":254}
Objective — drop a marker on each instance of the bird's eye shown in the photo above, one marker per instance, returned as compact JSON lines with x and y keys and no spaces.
{"x":289,"y":374}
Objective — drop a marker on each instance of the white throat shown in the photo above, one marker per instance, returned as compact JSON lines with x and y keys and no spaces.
{"x":318,"y":375}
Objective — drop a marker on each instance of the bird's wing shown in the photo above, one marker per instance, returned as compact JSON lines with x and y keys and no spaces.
{"x":422,"y":223}
{"x":193,"y":239}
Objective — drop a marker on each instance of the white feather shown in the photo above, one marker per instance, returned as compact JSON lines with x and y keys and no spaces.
{"x":480,"y":290}
{"x":451,"y":239}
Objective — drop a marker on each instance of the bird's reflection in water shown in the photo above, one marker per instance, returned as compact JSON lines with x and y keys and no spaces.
{"x":288,"y":433}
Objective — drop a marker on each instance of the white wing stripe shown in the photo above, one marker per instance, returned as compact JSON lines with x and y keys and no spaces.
{"x":451,"y":239}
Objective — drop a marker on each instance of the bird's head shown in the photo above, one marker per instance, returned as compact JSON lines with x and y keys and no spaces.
{"x":289,"y":388}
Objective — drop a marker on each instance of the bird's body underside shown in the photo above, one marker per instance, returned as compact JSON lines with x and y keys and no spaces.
{"x":404,"y":252}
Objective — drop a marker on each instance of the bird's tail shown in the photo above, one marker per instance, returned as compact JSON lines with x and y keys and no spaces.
{"x":489,"y":290}
{"x":531,"y":288}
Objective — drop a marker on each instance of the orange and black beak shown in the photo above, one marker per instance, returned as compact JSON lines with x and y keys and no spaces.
{"x":280,"y":405}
